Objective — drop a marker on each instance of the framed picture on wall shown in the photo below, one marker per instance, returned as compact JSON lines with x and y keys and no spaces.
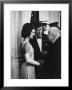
{"x":34,"y":42}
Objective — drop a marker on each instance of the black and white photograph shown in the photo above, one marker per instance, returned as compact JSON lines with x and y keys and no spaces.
{"x":36,"y":44}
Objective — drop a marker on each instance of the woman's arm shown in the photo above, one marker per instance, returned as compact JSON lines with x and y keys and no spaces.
{"x":29,"y":60}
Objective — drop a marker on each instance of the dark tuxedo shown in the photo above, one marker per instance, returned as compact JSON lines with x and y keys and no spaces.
{"x":38,"y":55}
{"x":45,"y":46}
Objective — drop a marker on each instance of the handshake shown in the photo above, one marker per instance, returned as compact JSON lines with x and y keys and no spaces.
{"x":41,"y":62}
{"x":44,"y":53}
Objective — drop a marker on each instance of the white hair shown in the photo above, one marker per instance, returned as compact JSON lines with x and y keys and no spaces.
{"x":54,"y":33}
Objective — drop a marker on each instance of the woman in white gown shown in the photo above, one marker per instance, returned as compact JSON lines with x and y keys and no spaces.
{"x":28,"y":66}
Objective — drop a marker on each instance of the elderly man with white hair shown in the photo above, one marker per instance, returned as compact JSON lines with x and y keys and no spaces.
{"x":54,"y":33}
{"x":54,"y":55}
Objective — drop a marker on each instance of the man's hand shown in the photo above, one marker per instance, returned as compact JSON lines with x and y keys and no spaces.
{"x":41,"y":62}
{"x":44,"y":52}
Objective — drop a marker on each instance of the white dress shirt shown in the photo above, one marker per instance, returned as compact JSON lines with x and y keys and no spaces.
{"x":39,"y":40}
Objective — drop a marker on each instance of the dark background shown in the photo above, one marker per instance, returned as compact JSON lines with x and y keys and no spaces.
{"x":2,"y":41}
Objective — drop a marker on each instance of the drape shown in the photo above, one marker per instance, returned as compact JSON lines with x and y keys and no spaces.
{"x":17,"y":19}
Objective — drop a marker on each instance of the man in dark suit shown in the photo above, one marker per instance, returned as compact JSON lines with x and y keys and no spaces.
{"x":54,"y":56}
{"x":41,"y":46}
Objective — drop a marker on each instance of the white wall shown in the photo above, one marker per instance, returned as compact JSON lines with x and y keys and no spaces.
{"x":50,"y":16}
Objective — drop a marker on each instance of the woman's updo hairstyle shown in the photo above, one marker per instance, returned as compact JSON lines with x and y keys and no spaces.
{"x":26,"y":30}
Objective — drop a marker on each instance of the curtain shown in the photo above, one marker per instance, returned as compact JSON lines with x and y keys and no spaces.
{"x":17,"y":19}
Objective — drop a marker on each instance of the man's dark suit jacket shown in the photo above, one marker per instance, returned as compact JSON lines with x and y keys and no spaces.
{"x":54,"y":61}
{"x":51,"y":69}
{"x":45,"y":46}
{"x":39,"y":55}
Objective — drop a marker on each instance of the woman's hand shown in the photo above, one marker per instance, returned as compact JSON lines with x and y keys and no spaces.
{"x":41,"y":63}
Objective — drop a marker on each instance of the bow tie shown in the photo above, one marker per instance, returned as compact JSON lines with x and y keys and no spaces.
{"x":39,"y":37}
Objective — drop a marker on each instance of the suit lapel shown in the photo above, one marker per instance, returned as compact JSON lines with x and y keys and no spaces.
{"x":43,"y":42}
{"x":37,"y":46}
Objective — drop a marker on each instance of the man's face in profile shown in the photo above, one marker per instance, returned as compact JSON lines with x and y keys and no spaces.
{"x":51,"y":36}
{"x":39,"y":32}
